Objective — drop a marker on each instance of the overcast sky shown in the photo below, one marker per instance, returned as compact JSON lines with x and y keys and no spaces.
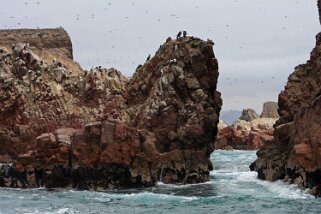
{"x":257,"y":42}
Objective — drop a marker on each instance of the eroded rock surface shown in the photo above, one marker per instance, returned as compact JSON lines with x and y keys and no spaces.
{"x":270,"y":110}
{"x":295,"y":153}
{"x":96,"y":129}
{"x":249,"y":132}
{"x":245,"y":135}
{"x":249,"y":115}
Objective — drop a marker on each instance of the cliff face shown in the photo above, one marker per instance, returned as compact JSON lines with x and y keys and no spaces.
{"x":39,"y":95}
{"x":174,"y":96}
{"x":270,"y":110}
{"x":46,"y":43}
{"x":295,"y":153}
{"x":96,"y":130}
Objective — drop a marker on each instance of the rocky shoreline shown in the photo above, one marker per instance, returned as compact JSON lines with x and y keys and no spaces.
{"x":62,"y":126}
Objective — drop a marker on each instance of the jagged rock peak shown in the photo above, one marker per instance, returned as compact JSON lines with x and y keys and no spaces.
{"x":249,"y":115}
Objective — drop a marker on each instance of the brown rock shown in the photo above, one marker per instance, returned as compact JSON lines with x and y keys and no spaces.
{"x":248,"y":115}
{"x":245,"y":135}
{"x":270,"y":110}
{"x":296,"y":146}
{"x":161,"y":121}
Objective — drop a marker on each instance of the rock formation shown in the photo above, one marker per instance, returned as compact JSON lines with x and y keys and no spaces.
{"x":65,"y":127}
{"x":249,"y":115}
{"x":270,"y":110}
{"x":243,"y":135}
{"x":249,"y":132}
{"x":295,"y":153}
{"x":40,"y":94}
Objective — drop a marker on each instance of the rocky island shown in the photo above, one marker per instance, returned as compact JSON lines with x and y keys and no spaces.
{"x":250,"y":131}
{"x":295,"y":153}
{"x":62,"y":126}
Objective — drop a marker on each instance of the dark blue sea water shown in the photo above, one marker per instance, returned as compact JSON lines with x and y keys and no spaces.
{"x":232,"y":189}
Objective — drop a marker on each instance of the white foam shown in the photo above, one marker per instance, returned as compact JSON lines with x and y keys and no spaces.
{"x":282,"y":190}
{"x":233,"y":177}
{"x":152,"y":196}
{"x":182,"y":186}
{"x":64,"y":211}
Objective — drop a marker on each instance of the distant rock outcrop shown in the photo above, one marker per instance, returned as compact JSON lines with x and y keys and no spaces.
{"x":245,"y":135}
{"x":249,"y":115}
{"x":270,"y":110}
{"x":295,"y":153}
{"x":249,"y":132}
{"x":62,"y":126}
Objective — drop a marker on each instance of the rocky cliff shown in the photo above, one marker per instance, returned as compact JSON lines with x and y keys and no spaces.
{"x":270,"y":110}
{"x":63,"y":126}
{"x":40,"y":94}
{"x":295,"y":153}
{"x":48,"y":44}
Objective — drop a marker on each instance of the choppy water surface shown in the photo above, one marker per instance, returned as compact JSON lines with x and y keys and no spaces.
{"x":232,"y":189}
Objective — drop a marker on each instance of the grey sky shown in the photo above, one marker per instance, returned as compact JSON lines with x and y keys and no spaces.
{"x":257,"y":42}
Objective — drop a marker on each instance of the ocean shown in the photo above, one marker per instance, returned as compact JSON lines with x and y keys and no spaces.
{"x":232,"y":189}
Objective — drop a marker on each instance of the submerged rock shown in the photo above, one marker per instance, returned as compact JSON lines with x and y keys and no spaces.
{"x":294,"y":154}
{"x":63,"y":126}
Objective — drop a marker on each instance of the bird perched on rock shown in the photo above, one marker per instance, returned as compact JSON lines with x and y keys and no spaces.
{"x":172,"y":62}
{"x":184,"y":33}
{"x":140,"y":65}
{"x":210,"y":41}
{"x":148,"y":58}
{"x":178,"y":34}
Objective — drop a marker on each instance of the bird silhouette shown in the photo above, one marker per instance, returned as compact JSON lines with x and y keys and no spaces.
{"x":179,"y":34}
{"x":210,"y":41}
